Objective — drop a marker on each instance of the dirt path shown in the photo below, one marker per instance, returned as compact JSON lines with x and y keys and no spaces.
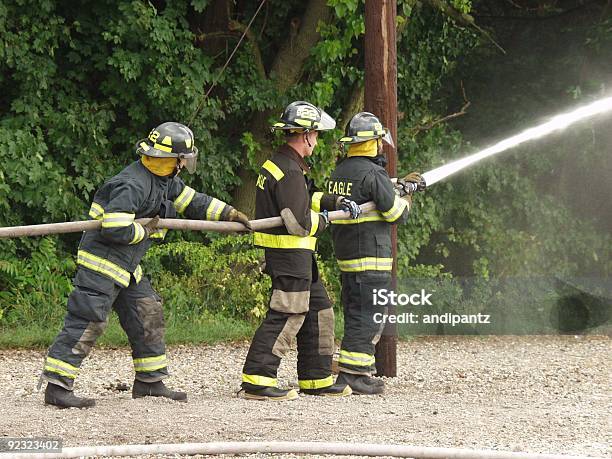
{"x":538,"y":394}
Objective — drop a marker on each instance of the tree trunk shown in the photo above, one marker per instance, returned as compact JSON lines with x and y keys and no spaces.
{"x":286,"y":71}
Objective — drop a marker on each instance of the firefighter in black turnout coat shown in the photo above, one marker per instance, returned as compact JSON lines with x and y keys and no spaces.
{"x":363,"y":245}
{"x":109,"y":275}
{"x":299,"y":305}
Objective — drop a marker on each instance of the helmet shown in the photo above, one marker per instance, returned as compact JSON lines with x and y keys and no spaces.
{"x":304,"y":116}
{"x":365,"y":126}
{"x":170,"y":140}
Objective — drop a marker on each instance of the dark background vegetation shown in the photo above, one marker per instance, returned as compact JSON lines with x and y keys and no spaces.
{"x":81,"y":81}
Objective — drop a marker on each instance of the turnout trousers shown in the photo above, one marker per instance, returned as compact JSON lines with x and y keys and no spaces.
{"x":361,"y":330}
{"x":140,"y":313}
{"x":299,"y":307}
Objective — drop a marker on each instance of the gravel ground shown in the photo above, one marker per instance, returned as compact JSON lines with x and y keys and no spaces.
{"x":538,"y":394}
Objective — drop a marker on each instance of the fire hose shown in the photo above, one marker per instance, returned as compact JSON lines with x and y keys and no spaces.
{"x":168,"y":223}
{"x":285,"y":447}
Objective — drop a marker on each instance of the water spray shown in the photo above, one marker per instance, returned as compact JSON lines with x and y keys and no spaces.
{"x":557,"y":123}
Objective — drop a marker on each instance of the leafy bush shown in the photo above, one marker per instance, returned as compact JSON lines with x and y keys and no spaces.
{"x":34,"y":290}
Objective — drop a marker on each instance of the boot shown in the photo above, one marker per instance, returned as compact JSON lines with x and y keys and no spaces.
{"x":269,"y":393}
{"x":361,"y":384}
{"x":64,"y":398}
{"x":335,"y":390}
{"x":156,"y":389}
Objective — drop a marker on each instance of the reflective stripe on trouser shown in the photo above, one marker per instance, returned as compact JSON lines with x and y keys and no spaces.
{"x":314,"y":329}
{"x":361,"y":332}
{"x":140,"y":313}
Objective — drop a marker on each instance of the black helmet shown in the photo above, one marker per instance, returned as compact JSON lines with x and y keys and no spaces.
{"x":365,"y":126}
{"x":305,"y":116}
{"x":170,"y":140}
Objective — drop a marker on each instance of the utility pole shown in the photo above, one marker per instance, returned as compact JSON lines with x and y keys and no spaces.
{"x":381,"y":99}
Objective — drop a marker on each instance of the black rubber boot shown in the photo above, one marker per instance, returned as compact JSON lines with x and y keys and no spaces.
{"x":361,"y":384}
{"x":156,"y":389}
{"x":252,"y":392}
{"x":335,"y":390}
{"x":63,"y":398}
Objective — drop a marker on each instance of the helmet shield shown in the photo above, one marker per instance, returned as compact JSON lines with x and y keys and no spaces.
{"x":327,"y":122}
{"x":190,"y":159}
{"x":388,"y":138}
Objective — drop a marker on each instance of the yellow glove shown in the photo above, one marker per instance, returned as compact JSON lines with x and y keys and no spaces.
{"x":151,"y":226}
{"x":237,"y":216}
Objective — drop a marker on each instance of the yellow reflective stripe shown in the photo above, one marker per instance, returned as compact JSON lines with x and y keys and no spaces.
{"x":303,"y":122}
{"x":159,"y":233}
{"x":373,"y":216}
{"x":316,"y":383}
{"x":316,"y":201}
{"x":138,"y":274}
{"x":117,"y":219}
{"x":59,"y":372}
{"x":161,"y":147}
{"x":314,"y":222}
{"x":396,"y":211}
{"x":213,"y":212}
{"x":96,"y":211}
{"x":139,"y":233}
{"x":369,"y":133}
{"x":284,"y":241}
{"x":61,"y":368}
{"x":273,"y":169}
{"x":103,"y":266}
{"x":366,"y":264}
{"x":150,"y":363}
{"x":184,"y":199}
{"x":259,"y":380}
{"x":356,"y":358}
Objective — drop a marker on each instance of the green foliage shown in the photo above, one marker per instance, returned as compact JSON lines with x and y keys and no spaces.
{"x":80,"y":82}
{"x":223,"y":277}
{"x":34,"y":290}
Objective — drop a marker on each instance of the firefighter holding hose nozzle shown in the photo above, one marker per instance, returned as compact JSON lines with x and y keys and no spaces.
{"x":363,"y":245}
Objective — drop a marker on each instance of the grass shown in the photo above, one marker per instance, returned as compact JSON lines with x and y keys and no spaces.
{"x":209,"y":329}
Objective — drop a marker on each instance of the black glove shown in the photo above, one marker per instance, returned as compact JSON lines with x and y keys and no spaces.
{"x":151,"y":226}
{"x":349,"y":206}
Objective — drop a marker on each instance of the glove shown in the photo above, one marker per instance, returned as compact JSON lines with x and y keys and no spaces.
{"x":415,"y":177}
{"x":325,"y":215}
{"x":409,"y":184}
{"x":350,"y":206}
{"x":151,"y":226}
{"x":408,"y":198}
{"x":237,"y":216}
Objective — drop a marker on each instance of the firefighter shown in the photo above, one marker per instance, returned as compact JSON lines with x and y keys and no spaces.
{"x":299,"y":305}
{"x":363,"y":245}
{"x":109,"y":275}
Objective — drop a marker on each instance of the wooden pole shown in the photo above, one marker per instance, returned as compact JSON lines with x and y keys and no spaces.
{"x":381,"y":99}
